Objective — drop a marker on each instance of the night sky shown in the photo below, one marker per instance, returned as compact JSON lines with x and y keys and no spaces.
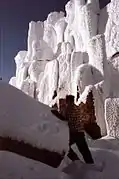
{"x":15,"y":16}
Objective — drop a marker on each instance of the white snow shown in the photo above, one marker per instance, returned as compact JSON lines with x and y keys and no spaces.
{"x":84,"y":95}
{"x":13,"y":166}
{"x":112,"y":116}
{"x":64,"y":52}
{"x":97,"y":54}
{"x":25,"y":119}
{"x":104,"y":150}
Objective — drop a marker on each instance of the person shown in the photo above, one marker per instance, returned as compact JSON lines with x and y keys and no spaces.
{"x":76,"y":119}
{"x":76,"y":129}
{"x":71,"y":113}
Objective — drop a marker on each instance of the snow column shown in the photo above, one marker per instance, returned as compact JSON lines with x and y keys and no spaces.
{"x":97,"y":58}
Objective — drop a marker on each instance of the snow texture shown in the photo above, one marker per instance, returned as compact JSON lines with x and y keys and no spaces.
{"x":64,"y":52}
{"x":28,"y":87}
{"x":49,"y":82}
{"x":97,"y":54}
{"x":69,"y":51}
{"x":25,"y":119}
{"x":103,"y":150}
{"x":98,"y":93}
{"x":112,"y":116}
{"x":35,"y":69}
{"x":111,"y":31}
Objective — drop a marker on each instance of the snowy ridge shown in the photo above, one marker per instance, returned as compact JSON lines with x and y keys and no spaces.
{"x":23,"y":118}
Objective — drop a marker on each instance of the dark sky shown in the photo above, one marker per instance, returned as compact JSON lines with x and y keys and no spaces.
{"x":14,"y":18}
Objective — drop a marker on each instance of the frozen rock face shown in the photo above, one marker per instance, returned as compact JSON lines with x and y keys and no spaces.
{"x":112,"y":116}
{"x":53,"y":29}
{"x":28,"y":87}
{"x":48,"y":83}
{"x":64,"y":60}
{"x":13,"y":81}
{"x":87,"y":20}
{"x":60,"y":28}
{"x":96,"y":51}
{"x":112,"y":32}
{"x":35,"y":69}
{"x":99,"y":99}
{"x":35,"y":33}
{"x":50,"y":36}
{"x":66,"y":54}
{"x":21,"y":68}
{"x":111,"y":76}
{"x":41,"y":50}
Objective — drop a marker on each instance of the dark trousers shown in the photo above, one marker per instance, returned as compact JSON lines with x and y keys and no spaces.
{"x":79,"y":139}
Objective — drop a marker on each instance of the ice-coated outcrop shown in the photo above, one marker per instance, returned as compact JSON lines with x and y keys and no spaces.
{"x":112,"y":116}
{"x":65,"y":54}
{"x":35,"y":69}
{"x":48,"y":83}
{"x":96,"y":51}
{"x":35,"y":33}
{"x":112,"y":28}
{"x":112,"y":76}
{"x":28,"y":87}
{"x":99,"y":99}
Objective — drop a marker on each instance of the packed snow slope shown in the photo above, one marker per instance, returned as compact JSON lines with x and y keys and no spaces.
{"x":104,"y":150}
{"x":24,"y":119}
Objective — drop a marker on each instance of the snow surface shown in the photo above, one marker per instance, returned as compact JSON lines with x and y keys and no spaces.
{"x":65,"y":52}
{"x":105,"y":149}
{"x":23,"y":118}
{"x":112,"y":116}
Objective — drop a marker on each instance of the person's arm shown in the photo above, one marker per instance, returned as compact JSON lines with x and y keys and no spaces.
{"x":58,"y":115}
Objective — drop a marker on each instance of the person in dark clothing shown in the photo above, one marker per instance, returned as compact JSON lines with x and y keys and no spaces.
{"x":71,"y":113}
{"x":76,"y":128}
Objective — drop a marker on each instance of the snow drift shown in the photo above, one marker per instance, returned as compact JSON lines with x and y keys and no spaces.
{"x":24,"y":119}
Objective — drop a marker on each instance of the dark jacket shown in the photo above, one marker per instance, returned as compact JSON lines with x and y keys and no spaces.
{"x":74,"y":118}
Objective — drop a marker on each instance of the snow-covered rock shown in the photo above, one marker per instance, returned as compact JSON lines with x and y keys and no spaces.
{"x":28,"y":87}
{"x":21,"y":68}
{"x":64,"y":60}
{"x":98,"y":93}
{"x":69,"y":52}
{"x":13,"y":81}
{"x":25,"y":119}
{"x":112,"y":116}
{"x":97,"y":54}
{"x":112,"y":76}
{"x":35,"y":33}
{"x":35,"y":69}
{"x":49,"y":82}
{"x":112,"y":28}
{"x":41,"y":50}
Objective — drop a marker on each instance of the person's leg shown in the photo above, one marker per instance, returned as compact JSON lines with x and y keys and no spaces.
{"x":71,"y":154}
{"x":83,"y":148}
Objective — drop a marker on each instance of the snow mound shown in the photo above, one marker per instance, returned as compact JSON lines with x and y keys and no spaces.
{"x":24,"y":119}
{"x":23,"y":168}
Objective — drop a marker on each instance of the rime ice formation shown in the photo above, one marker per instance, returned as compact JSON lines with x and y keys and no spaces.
{"x":66,"y":53}
{"x":112,"y":116}
{"x":112,"y":32}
